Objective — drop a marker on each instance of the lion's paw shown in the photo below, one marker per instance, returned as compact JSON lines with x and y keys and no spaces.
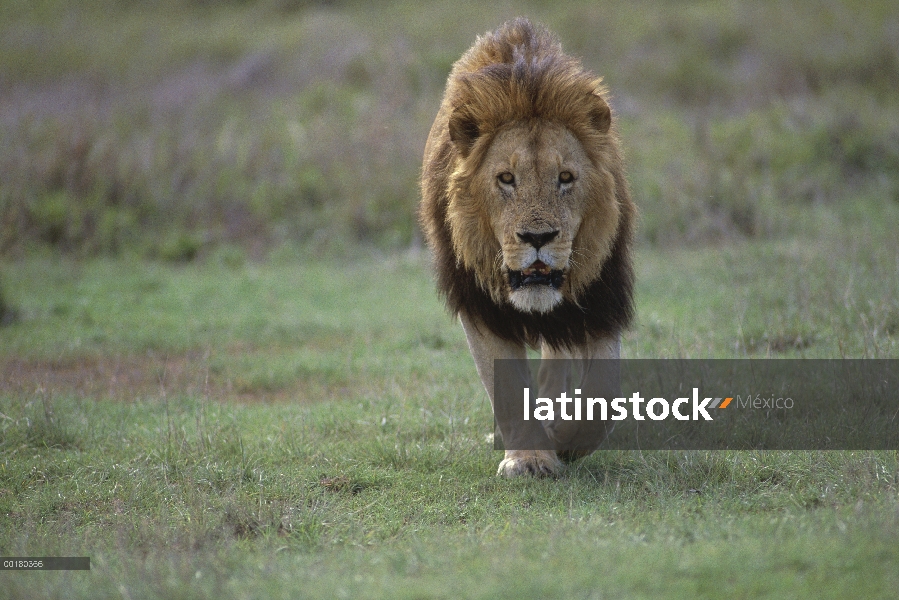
{"x":537,"y":463}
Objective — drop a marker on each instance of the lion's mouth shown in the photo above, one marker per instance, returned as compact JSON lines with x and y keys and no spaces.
{"x":538,"y":273}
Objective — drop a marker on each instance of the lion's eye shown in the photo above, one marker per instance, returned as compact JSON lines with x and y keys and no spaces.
{"x":566,"y":177}
{"x":506,"y":178}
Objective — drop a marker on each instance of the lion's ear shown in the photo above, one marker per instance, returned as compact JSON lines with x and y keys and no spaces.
{"x":600,"y":114}
{"x":463,"y":130}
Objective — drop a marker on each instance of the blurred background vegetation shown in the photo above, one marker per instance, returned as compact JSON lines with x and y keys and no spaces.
{"x":178,"y":129}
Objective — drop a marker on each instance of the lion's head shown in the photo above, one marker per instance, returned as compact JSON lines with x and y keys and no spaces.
{"x":523,"y":187}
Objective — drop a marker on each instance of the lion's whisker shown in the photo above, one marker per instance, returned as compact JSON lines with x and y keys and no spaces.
{"x":498,"y":260}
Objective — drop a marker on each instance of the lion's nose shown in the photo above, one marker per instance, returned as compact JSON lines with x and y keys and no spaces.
{"x":537,"y":239}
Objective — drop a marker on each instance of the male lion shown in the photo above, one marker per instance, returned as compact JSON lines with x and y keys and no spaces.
{"x":526,"y":209}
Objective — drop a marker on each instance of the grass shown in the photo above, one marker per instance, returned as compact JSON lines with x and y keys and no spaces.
{"x":312,"y":428}
{"x":828,"y":292}
{"x":330,"y":499}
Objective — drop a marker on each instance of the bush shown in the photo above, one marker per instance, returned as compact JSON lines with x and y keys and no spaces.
{"x":267,"y":123}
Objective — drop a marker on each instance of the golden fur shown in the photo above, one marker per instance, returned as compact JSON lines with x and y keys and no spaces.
{"x":523,"y":182}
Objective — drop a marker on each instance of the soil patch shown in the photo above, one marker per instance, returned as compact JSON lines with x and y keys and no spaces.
{"x":130,"y":378}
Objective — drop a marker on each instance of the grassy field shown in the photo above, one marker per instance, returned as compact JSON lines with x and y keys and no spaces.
{"x":225,"y":373}
{"x":308,"y":428}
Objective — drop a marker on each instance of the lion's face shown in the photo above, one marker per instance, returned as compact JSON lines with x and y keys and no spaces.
{"x":533,"y":191}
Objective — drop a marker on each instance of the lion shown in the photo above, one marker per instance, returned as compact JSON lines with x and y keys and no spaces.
{"x":527,"y":213}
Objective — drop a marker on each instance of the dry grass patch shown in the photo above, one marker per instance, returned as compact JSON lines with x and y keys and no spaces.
{"x":157,"y":376}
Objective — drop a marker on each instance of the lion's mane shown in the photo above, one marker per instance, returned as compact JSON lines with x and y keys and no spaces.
{"x":519,"y":73}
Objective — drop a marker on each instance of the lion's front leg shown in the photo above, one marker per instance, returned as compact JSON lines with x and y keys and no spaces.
{"x":596,"y":369}
{"x":485,"y":348}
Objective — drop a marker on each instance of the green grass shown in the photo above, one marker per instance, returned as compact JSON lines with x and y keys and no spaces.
{"x":288,"y":500}
{"x":827,"y":292}
{"x":313,"y":428}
